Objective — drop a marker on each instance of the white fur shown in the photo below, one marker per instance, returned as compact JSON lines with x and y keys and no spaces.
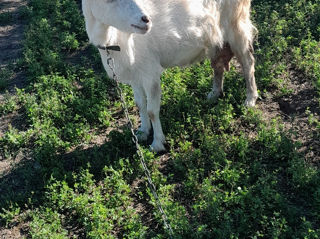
{"x":180,"y":32}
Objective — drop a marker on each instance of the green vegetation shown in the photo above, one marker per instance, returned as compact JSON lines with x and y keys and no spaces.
{"x":5,"y":74}
{"x":229,"y":172}
{"x":5,"y":17}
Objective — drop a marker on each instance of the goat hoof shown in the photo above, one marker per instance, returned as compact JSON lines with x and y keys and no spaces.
{"x":142,"y":136}
{"x":250,"y":102}
{"x":213,"y":96}
{"x":157,"y":147}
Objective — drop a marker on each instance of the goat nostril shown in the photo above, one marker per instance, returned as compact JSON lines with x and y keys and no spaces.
{"x":145,"y":19}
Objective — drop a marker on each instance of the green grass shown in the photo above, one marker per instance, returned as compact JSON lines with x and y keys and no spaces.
{"x":229,"y":173}
{"x":5,"y":75}
{"x":6,"y":18}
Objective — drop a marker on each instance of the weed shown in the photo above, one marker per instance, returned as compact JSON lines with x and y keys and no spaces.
{"x":103,"y":209}
{"x":10,"y":214}
{"x":5,"y":76}
{"x":9,"y":104}
{"x":6,"y":18}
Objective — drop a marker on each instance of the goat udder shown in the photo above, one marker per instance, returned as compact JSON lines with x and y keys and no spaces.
{"x":222,"y":59}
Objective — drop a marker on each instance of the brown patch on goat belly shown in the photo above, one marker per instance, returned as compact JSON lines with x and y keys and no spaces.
{"x":151,"y":116}
{"x":223,"y":57}
{"x":185,"y":4}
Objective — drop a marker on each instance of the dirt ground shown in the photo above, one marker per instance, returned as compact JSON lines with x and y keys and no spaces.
{"x":11,"y":37}
{"x":11,"y":34}
{"x":292,"y":112}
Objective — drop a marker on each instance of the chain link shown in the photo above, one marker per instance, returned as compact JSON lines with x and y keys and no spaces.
{"x":110,"y":62}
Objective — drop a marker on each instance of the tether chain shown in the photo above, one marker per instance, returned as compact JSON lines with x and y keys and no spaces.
{"x":110,"y":62}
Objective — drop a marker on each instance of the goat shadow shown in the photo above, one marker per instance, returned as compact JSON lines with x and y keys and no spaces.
{"x":25,"y":185}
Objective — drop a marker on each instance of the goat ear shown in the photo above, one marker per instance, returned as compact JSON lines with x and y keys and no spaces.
{"x":89,"y":19}
{"x":96,"y":31}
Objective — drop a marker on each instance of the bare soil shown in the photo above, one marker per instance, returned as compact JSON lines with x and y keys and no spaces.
{"x":11,"y":37}
{"x":292,"y":110}
{"x":11,"y":34}
{"x":16,"y":231}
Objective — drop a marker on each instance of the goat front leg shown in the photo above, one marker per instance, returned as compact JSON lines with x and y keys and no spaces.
{"x":141,"y":101}
{"x":153,"y":93}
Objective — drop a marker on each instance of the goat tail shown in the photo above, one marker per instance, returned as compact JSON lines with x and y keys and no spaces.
{"x":242,"y":18}
{"x":242,"y":11}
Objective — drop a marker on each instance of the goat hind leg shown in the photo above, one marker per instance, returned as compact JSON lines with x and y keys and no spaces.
{"x":247,"y":61}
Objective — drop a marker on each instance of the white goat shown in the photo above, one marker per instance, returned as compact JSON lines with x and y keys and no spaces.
{"x":157,"y":34}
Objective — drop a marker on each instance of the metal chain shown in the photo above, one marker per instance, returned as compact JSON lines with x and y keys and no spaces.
{"x":110,"y":62}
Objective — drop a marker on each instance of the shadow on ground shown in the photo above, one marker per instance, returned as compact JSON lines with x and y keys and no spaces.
{"x":29,"y":178}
